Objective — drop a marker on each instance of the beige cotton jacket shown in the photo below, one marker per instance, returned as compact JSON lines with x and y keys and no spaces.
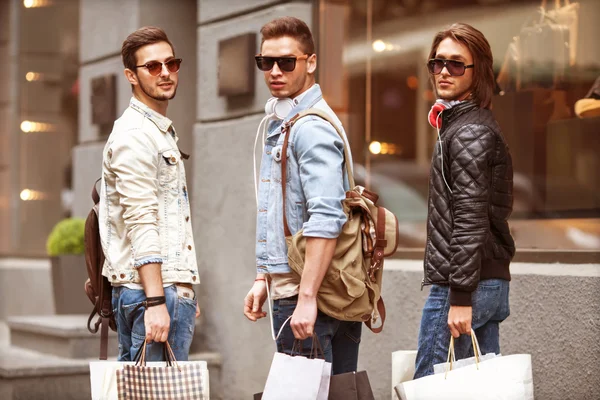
{"x":144,"y":211}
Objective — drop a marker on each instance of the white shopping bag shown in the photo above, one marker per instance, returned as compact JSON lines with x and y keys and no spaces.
{"x":403,"y":367}
{"x":500,"y":378}
{"x":297,"y":378}
{"x":443,"y":367}
{"x":103,"y":377}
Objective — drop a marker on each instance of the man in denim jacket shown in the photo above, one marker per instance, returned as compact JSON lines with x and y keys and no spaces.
{"x":316,"y":186}
{"x":144,"y":209}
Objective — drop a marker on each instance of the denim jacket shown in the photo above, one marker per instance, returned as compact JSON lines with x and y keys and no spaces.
{"x":316,"y":183}
{"x":144,"y":210}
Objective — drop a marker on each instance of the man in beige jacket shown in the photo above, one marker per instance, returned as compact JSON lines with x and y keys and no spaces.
{"x":144,"y":213}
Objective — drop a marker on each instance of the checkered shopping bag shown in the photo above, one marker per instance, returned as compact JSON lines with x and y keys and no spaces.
{"x":173,"y":382}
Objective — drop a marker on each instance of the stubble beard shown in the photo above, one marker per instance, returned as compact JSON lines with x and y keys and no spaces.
{"x":453,"y":95}
{"x":155,"y":96}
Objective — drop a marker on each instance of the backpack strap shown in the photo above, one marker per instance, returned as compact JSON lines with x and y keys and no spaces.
{"x":104,"y":339}
{"x":95,"y":195}
{"x":287,"y":128}
{"x":104,"y":310}
{"x":381,"y":310}
{"x":379,"y":245}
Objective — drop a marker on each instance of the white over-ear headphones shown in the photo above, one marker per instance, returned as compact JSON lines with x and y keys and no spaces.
{"x":274,"y":108}
{"x":279,"y":108}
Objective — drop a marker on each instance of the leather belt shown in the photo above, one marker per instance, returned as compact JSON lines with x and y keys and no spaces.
{"x":185,"y":285}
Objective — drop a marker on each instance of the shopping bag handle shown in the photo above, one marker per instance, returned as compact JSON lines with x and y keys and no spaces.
{"x":297,"y":346}
{"x":451,"y":355}
{"x":316,"y":351}
{"x":140,"y":356}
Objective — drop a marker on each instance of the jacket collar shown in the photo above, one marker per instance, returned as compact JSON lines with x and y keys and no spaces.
{"x":308,"y":99}
{"x":162,"y":123}
{"x":450,"y":115}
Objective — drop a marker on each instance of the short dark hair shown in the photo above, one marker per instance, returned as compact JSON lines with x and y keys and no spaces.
{"x":140,"y":38}
{"x":483,"y":70}
{"x":292,"y":27}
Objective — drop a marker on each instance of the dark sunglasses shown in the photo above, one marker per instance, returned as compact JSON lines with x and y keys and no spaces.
{"x":155,"y":67}
{"x":454,"y":67}
{"x":286,"y":64}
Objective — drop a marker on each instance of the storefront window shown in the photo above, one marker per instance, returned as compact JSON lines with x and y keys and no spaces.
{"x":38,"y":120}
{"x":372,"y":56}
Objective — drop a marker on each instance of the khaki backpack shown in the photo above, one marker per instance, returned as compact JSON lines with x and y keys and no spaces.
{"x":97,"y":286}
{"x":351,"y":288}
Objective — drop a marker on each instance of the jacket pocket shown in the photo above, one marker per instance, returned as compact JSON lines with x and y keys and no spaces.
{"x":168,"y":168}
{"x":277,"y":165}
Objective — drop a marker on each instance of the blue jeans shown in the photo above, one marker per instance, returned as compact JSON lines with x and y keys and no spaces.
{"x":339,"y":339}
{"x":132,"y":332}
{"x":490,"y":307}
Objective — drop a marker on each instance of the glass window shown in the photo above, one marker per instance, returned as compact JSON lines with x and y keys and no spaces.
{"x":372,"y":56}
{"x":38,"y":120}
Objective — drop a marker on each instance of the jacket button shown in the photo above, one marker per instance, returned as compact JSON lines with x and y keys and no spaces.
{"x":122,"y":276}
{"x":189,"y":247}
{"x":187,"y":219}
{"x":114,"y":277}
{"x":193,"y":278}
{"x":173,"y":159}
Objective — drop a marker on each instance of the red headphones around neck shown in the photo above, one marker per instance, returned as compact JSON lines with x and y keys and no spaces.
{"x":435,"y":120}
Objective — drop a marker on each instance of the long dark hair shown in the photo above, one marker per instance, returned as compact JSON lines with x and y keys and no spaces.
{"x":483,"y":85}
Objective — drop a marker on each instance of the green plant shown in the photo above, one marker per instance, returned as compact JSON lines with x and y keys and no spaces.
{"x":66,"y":237}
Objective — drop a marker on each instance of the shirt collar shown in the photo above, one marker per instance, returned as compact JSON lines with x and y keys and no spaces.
{"x":306,"y":100}
{"x":302,"y":102}
{"x":302,"y":95}
{"x":162,"y":123}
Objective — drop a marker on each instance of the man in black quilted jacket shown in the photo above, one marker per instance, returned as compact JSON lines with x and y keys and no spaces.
{"x":469,"y":245}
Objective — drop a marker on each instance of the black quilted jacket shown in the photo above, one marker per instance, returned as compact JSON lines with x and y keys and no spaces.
{"x":468,"y":238}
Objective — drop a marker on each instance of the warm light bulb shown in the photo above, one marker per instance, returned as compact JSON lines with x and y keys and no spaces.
{"x":375,"y":147}
{"x":26,"y":194}
{"x":379,"y":46}
{"x":26,"y":126}
{"x":29,"y":3}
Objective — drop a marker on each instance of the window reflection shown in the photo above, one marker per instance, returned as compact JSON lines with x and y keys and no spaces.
{"x":545,"y":61}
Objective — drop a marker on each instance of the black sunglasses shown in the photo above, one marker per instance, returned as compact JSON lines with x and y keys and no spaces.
{"x":454,"y":67}
{"x":155,"y":67}
{"x":286,"y":64}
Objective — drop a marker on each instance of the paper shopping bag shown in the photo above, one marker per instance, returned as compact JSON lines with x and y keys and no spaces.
{"x":351,"y":386}
{"x":150,"y":381}
{"x":403,"y":367}
{"x":297,"y":378}
{"x":455,"y":364}
{"x":103,"y":377}
{"x":500,"y":378}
